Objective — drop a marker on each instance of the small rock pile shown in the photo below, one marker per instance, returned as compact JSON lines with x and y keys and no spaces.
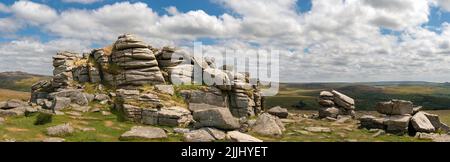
{"x":401,"y":117}
{"x":334,"y":104}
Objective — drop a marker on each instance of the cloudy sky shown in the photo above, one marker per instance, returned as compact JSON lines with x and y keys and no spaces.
{"x":321,"y":40}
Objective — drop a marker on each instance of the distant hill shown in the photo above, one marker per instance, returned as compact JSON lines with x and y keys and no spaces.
{"x":303,"y":95}
{"x":19,"y":81}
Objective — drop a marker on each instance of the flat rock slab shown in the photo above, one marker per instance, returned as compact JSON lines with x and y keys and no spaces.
{"x":395,"y":107}
{"x":220,"y":118}
{"x":421,"y":123}
{"x":237,"y":136}
{"x":397,"y":124}
{"x":318,"y":129}
{"x":143,"y":133}
{"x":54,"y":139}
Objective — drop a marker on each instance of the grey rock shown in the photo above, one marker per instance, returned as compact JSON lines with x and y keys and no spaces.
{"x":199,"y":135}
{"x":328,"y":112}
{"x":2,"y":120}
{"x":237,"y":136}
{"x":395,"y":107}
{"x":371,"y":122}
{"x":101,"y":97}
{"x":326,"y":94}
{"x":19,"y":111}
{"x":60,"y":103}
{"x":201,"y":106}
{"x":12,"y":103}
{"x":279,"y":112}
{"x":268,"y":125}
{"x":318,"y":129}
{"x":89,"y":97}
{"x":436,"y":122}
{"x":217,"y":134}
{"x":421,"y":123}
{"x":397,"y":124}
{"x":326,"y":103}
{"x":60,"y":130}
{"x":54,"y":139}
{"x":220,"y":118}
{"x":76,"y":96}
{"x":343,"y":100}
{"x":417,"y":109}
{"x":167,"y":89}
{"x":141,"y":132}
{"x":181,"y":130}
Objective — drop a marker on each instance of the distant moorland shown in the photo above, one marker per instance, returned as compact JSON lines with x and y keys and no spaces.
{"x":432,"y":96}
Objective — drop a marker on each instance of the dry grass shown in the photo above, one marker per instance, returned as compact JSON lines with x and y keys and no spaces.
{"x":108,"y":50}
{"x":11,"y":94}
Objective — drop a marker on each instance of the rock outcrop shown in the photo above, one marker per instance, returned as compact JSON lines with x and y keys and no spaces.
{"x":401,"y":117}
{"x":334,"y":104}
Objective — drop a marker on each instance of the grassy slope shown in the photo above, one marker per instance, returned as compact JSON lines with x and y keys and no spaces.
{"x":19,"y":81}
{"x":6,"y":94}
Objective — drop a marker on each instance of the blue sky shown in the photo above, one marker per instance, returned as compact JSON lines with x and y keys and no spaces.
{"x":339,"y":40}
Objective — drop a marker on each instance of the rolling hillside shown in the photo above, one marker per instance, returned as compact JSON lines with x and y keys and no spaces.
{"x":433,"y":96}
{"x":19,"y":81}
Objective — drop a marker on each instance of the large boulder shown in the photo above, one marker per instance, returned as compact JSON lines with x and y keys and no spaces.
{"x":60,"y":130}
{"x":395,"y":107}
{"x":397,"y":124}
{"x":343,"y":100}
{"x":436,"y":122}
{"x":172,"y":116}
{"x":143,"y":133}
{"x":60,"y":103}
{"x":268,"y":125}
{"x":237,"y":136}
{"x":220,"y":118}
{"x":421,"y":123}
{"x":278,"y":111}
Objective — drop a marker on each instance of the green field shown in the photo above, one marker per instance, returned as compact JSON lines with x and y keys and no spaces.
{"x":432,"y":96}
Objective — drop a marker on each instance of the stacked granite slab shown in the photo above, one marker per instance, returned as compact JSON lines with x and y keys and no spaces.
{"x":334,"y":104}
{"x":401,"y":117}
{"x":136,"y":64}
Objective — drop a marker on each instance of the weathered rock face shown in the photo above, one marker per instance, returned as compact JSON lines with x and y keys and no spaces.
{"x":136,"y":63}
{"x":132,"y":103}
{"x":371,"y":122}
{"x":397,"y":124}
{"x":335,"y":103}
{"x":13,"y":107}
{"x":421,"y":123}
{"x":395,"y":107}
{"x":268,"y":125}
{"x":172,"y":116}
{"x":143,"y":133}
{"x":220,"y":118}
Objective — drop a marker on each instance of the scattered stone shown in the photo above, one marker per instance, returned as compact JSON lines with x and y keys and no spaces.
{"x":421,"y":123}
{"x":83,"y":129}
{"x":60,"y":130}
{"x":12,"y":103}
{"x":220,"y":118}
{"x":2,"y":120}
{"x":54,"y":139}
{"x":236,"y":136}
{"x":268,"y":125}
{"x":278,"y":111}
{"x":144,"y":133}
{"x":318,"y":129}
